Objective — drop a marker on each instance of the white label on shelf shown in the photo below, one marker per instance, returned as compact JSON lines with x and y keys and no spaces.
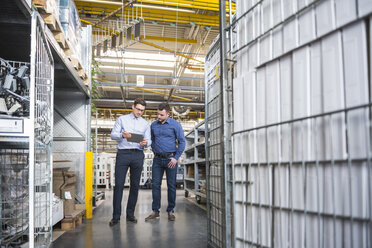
{"x":140,"y":80}
{"x":179,"y":176}
{"x":11,"y":126}
{"x":68,"y":195}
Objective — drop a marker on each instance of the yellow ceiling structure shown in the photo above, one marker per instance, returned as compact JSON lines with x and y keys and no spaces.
{"x":212,"y":5}
{"x":210,"y":18}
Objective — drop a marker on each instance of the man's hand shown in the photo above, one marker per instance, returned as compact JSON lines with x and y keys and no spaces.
{"x":172,"y":163}
{"x":126,"y":135}
{"x":143,"y":142}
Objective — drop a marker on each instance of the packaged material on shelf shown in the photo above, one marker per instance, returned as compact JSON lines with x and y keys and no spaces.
{"x":201,"y":173}
{"x":203,"y":186}
{"x":190,"y":171}
{"x":64,"y":187}
{"x":71,"y":25}
{"x":14,"y":88}
{"x":57,"y":210}
{"x":48,"y":6}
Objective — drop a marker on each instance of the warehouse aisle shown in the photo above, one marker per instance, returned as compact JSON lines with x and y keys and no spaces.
{"x":189,"y":229}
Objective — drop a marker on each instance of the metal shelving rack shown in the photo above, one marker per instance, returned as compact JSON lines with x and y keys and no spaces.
{"x":26,"y":142}
{"x":194,"y":163}
{"x":72,"y":113}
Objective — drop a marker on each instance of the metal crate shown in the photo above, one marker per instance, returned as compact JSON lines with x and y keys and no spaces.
{"x":26,"y":156}
{"x":214,"y":143}
{"x":302,"y":124}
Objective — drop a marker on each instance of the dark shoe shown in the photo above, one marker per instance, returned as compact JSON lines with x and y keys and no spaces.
{"x":152,"y":216}
{"x":171,"y":216}
{"x":132,"y":219}
{"x":113,"y":222}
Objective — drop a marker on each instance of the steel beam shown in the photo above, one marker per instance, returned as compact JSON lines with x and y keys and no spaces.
{"x":155,"y":76}
{"x":158,"y":86}
{"x":195,"y":104}
{"x":226,"y":126}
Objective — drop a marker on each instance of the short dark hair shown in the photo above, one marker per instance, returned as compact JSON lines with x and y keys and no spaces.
{"x":139,"y":101}
{"x":164,"y":106}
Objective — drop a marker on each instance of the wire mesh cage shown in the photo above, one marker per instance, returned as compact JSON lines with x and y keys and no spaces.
{"x":14,"y":195}
{"x":214,"y":151}
{"x":41,"y":174}
{"x":25,"y":155}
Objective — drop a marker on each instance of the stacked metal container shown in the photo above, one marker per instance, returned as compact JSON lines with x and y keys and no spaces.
{"x":26,"y":153}
{"x":214,"y":149}
{"x":302,"y":137}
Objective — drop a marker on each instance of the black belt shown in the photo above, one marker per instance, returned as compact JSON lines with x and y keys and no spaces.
{"x":131,"y":150}
{"x":165,"y":155}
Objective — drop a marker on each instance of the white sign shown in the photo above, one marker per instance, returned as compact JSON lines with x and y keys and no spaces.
{"x":140,"y":80}
{"x":11,"y":126}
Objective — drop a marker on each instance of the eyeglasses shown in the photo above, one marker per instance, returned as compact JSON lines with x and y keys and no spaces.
{"x":140,"y":110}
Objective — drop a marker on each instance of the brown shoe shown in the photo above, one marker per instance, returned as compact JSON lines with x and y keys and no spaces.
{"x":171,"y":217}
{"x":152,"y":216}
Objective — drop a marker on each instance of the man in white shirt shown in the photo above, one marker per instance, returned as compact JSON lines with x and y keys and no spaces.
{"x":129,"y":155}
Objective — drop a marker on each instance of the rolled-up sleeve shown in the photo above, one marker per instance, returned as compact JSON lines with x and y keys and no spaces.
{"x":152,"y":137}
{"x":116,"y":131}
{"x":148,"y":135}
{"x":181,"y":141}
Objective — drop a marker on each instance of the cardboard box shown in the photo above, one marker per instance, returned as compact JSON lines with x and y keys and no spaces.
{"x":68,"y":193}
{"x":190,"y":171}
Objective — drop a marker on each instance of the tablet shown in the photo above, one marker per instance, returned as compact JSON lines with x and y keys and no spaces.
{"x":136,"y":138}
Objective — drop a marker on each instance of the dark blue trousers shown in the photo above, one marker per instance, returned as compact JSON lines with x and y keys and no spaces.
{"x":160,"y":165}
{"x":125,"y":159}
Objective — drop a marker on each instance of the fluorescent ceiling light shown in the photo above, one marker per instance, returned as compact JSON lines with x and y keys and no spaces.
{"x":148,"y":6}
{"x":187,"y":71}
{"x":136,"y":55}
{"x":140,"y":62}
{"x":135,"y":69}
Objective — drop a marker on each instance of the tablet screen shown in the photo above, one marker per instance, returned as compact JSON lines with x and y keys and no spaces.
{"x":136,"y":138}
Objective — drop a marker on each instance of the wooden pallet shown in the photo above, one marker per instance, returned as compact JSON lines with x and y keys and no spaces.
{"x":55,"y":26}
{"x":41,"y":5}
{"x":72,"y":222}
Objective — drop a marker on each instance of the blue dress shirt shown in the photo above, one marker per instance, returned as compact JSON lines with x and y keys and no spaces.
{"x":131,"y":124}
{"x":164,"y":137}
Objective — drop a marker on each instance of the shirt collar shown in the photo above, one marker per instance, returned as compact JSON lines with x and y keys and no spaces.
{"x":133,"y":116}
{"x":166,"y":121}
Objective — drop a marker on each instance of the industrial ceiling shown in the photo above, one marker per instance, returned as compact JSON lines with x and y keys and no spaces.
{"x":153,"y":49}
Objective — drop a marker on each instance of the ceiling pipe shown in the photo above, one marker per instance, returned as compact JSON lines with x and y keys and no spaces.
{"x":195,"y":104}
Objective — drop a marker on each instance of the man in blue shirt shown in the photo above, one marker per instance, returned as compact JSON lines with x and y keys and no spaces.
{"x":165,"y":133}
{"x":129,"y":155}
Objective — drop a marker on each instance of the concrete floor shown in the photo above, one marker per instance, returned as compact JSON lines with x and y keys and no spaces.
{"x":189,"y":229}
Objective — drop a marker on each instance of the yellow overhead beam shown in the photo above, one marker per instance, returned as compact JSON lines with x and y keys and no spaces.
{"x":190,"y":4}
{"x":122,"y":7}
{"x":168,"y":39}
{"x":166,"y":16}
{"x":169,"y":50}
{"x":98,"y":26}
{"x":146,"y":11}
{"x":130,"y":110}
{"x":161,"y":93}
{"x":174,"y":20}
{"x":187,"y":4}
{"x":158,"y":38}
